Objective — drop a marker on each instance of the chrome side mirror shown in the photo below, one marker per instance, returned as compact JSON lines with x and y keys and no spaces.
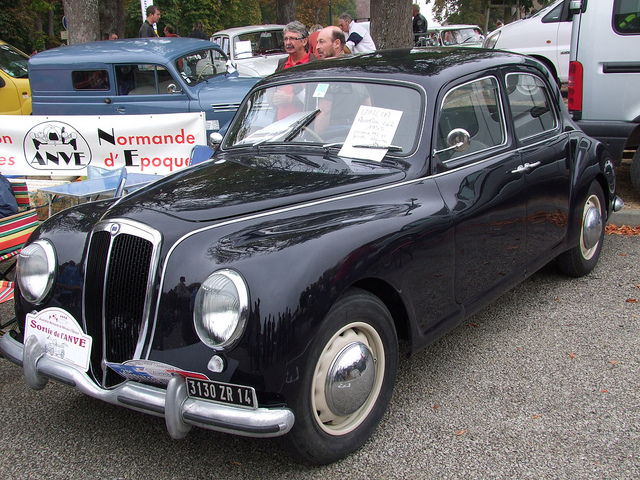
{"x":458,"y":141}
{"x":215,"y":139}
{"x":171,"y":88}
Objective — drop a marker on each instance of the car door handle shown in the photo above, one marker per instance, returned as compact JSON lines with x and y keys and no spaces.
{"x":121,"y":109}
{"x":526,"y":167}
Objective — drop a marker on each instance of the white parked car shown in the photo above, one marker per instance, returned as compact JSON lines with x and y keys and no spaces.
{"x":254,"y":50}
{"x":546,"y":35}
{"x":604,"y":75}
{"x":452,"y":36}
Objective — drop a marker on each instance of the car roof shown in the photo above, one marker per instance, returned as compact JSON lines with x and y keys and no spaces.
{"x":133,"y":50}
{"x":418,"y":65}
{"x":249,"y":29}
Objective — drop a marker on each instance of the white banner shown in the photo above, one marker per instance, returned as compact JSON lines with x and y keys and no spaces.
{"x":66,"y":145}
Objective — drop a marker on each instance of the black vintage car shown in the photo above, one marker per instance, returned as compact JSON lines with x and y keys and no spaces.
{"x":353,"y":203}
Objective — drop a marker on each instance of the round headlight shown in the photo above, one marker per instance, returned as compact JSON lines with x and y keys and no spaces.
{"x":221,"y":309}
{"x":491,"y":40}
{"x":36,"y":270}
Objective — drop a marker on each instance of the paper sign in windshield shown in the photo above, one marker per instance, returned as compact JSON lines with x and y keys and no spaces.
{"x":61,"y":336}
{"x":371,"y":133}
{"x":243,"y":49}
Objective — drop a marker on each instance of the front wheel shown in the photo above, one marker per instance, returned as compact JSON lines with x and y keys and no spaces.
{"x":348,"y":381}
{"x":581,"y":259}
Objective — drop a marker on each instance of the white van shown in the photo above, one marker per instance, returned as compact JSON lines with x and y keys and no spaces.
{"x":604,"y":78}
{"x":545,"y":36}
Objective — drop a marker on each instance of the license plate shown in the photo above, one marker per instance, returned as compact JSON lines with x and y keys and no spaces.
{"x":226,"y":393}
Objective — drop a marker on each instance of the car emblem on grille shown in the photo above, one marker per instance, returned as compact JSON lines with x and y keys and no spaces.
{"x":114,"y":229}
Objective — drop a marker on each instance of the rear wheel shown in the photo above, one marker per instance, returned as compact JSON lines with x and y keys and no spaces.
{"x":348,"y":381}
{"x":582,"y":258}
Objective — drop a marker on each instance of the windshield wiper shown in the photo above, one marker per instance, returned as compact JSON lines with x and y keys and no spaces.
{"x":300,"y":124}
{"x":391,"y":148}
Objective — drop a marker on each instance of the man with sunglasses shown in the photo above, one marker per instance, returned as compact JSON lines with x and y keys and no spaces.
{"x":296,"y":44}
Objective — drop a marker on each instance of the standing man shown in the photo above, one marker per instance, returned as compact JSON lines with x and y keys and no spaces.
{"x":419,"y":22}
{"x":358,"y":38}
{"x":296,"y":44}
{"x":330,"y":43}
{"x":153,"y":15}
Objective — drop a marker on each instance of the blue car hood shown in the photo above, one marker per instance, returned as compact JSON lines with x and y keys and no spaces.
{"x":230,"y":90}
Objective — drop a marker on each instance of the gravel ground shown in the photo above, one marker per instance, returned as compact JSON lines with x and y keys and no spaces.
{"x":541,"y":384}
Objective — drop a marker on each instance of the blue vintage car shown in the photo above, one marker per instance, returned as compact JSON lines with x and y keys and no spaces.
{"x":138,"y":76}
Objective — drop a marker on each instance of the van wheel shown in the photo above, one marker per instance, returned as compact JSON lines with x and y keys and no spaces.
{"x":348,"y":381}
{"x":581,"y":259}
{"x":635,"y":171}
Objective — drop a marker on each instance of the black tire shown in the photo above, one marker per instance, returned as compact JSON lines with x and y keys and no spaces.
{"x":635,"y":170}
{"x":319,"y":435}
{"x":581,"y":259}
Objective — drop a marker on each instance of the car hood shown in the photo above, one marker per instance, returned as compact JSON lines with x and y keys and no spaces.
{"x":260,"y":66}
{"x":221,"y":91}
{"x":228,"y":187}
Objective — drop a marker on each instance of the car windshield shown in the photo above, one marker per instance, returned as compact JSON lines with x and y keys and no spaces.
{"x":197,"y":67}
{"x":461,"y":36}
{"x":364,"y":120}
{"x":254,"y":44}
{"x":13,"y":62}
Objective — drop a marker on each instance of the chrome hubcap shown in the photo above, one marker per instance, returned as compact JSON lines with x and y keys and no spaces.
{"x":591,"y":227}
{"x":350,"y":379}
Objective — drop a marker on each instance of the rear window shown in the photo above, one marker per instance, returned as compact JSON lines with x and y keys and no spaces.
{"x":90,"y":80}
{"x":626,"y":17}
{"x":531,"y":106}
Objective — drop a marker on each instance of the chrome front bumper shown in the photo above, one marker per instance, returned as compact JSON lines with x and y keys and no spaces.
{"x":179,"y":410}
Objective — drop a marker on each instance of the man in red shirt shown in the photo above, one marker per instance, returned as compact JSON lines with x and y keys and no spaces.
{"x":296,"y":44}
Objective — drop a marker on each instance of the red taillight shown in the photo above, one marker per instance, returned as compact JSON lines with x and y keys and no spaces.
{"x":575,"y":86}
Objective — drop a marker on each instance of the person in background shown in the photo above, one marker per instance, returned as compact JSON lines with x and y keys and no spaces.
{"x":331,"y":43}
{"x":419,"y":23}
{"x":198,"y":31}
{"x":113,"y":36}
{"x":313,"y":37}
{"x":499,"y":23}
{"x":153,"y":15}
{"x":358,"y":38}
{"x":169,"y":32}
{"x":296,"y":44}
{"x":8,"y":203}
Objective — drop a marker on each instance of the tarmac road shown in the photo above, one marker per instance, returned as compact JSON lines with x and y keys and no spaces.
{"x":542,"y":384}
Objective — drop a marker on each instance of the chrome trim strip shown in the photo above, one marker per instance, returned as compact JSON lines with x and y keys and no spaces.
{"x":178,"y":409}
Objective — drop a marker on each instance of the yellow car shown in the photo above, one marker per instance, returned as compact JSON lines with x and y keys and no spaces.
{"x":15,"y":93}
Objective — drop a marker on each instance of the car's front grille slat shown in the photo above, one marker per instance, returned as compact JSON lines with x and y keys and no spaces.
{"x":119,"y":266}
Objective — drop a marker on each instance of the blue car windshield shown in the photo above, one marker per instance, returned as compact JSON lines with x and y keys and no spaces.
{"x":197,"y":67}
{"x":354,"y":115}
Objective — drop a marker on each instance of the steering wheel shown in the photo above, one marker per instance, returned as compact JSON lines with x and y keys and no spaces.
{"x":213,"y":71}
{"x":312,"y":134}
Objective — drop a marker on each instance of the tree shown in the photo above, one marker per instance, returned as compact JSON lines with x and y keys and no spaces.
{"x":286,"y":11}
{"x":82,"y":20}
{"x":391,"y":24}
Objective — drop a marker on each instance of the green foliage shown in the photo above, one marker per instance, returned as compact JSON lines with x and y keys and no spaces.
{"x":471,"y":11}
{"x":213,"y":14}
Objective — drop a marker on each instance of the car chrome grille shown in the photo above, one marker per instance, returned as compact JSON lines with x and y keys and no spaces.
{"x":225,"y":107}
{"x":120,"y":264}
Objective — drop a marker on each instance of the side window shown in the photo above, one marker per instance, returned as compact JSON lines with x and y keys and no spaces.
{"x":626,"y":17}
{"x":555,"y":15}
{"x":530,"y":105}
{"x":142,"y":79}
{"x":90,"y":80}
{"x":475,"y":108}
